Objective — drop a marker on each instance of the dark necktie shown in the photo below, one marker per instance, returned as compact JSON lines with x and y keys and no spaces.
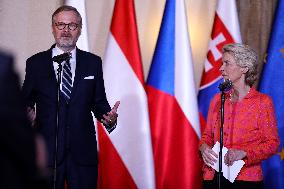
{"x":66,"y":80}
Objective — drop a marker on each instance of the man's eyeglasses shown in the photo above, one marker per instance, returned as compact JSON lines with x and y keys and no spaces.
{"x":71,"y":26}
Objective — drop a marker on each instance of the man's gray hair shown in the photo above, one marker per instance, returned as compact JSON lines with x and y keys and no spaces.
{"x":67,"y":8}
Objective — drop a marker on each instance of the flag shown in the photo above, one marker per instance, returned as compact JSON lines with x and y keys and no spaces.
{"x":125,"y":156}
{"x":225,"y":30}
{"x":82,"y":42}
{"x":172,"y":102}
{"x":272,"y":83}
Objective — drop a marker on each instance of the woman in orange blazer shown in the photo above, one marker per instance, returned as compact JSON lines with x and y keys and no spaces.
{"x":250,"y":131}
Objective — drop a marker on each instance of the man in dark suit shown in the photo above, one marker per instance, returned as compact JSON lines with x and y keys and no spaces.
{"x":81,"y":92}
{"x":18,"y":167}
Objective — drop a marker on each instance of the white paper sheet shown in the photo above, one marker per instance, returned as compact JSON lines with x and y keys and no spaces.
{"x":229,"y":172}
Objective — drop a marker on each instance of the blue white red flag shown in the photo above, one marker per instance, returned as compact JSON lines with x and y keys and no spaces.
{"x":172,"y":102}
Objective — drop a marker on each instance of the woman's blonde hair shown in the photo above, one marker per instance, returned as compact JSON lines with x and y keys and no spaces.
{"x":245,"y":57}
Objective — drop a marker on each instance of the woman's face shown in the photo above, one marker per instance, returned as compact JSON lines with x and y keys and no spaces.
{"x":230,"y":69}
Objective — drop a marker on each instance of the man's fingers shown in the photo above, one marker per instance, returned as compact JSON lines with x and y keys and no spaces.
{"x":116,"y":105}
{"x":106,"y":117}
{"x":104,"y":121}
{"x":113,"y":111}
{"x":31,"y":115}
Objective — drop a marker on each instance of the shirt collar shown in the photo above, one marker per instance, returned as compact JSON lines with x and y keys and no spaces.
{"x":58,"y":51}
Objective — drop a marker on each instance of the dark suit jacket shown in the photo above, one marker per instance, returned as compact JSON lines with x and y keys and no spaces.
{"x":76,"y":128}
{"x":17,"y":154}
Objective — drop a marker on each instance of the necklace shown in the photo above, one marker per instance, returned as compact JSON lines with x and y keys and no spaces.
{"x":235,"y":98}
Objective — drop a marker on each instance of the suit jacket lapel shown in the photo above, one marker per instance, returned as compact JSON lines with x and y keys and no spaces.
{"x":48,"y":73}
{"x":78,"y":72}
{"x":49,"y":63}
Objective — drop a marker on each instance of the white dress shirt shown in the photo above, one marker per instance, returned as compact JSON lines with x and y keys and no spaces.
{"x":56,"y":51}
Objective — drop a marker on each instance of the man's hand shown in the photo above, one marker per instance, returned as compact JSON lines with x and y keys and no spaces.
{"x":111,"y":117}
{"x":31,"y":115}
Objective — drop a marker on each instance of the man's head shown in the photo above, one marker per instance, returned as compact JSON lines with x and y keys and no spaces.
{"x":66,"y":27}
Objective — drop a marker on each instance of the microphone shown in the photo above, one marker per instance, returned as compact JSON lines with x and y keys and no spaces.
{"x":226,"y":85}
{"x":62,"y":57}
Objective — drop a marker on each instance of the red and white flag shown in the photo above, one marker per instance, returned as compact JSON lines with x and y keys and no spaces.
{"x":125,"y":156}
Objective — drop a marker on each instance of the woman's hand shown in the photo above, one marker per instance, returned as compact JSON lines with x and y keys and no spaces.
{"x":234,"y":155}
{"x":208,"y":155}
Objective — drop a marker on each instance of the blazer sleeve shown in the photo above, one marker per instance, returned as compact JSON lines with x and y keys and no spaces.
{"x":208,"y":133}
{"x":268,"y":133}
{"x":28,"y":85}
{"x":101,"y":105}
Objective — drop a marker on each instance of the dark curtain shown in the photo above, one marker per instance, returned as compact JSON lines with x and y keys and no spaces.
{"x":256,"y":18}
